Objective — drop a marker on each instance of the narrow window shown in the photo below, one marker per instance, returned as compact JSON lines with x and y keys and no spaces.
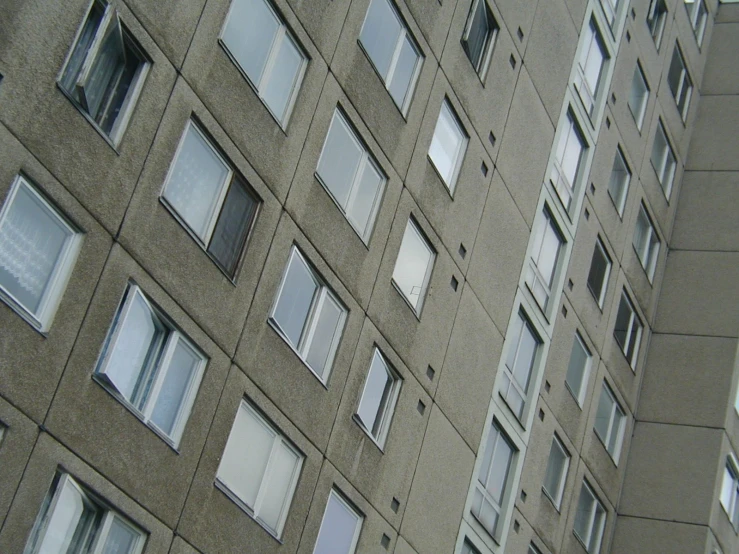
{"x":639,"y":96}
{"x":618,"y":186}
{"x":150,"y":366}
{"x":392,"y":51}
{"x":590,"y":519}
{"x":38,"y":249}
{"x":533,"y":549}
{"x":74,"y":521}
{"x":646,"y":242}
{"x":698,"y":15}
{"x":542,"y":268}
{"x":210,"y":199}
{"x":259,"y":469}
{"x":590,"y":68}
{"x":610,"y":9}
{"x":628,"y":330}
{"x":105,"y":71}
{"x":351,"y":176}
{"x":656,"y":18}
{"x":730,"y":492}
{"x":493,"y":480}
{"x":600,"y":270}
{"x":519,"y":365}
{"x":379,"y":395}
{"x":663,"y":160}
{"x":308,"y":315}
{"x":556,"y":475}
{"x":479,"y":36}
{"x":610,"y":422}
{"x":340,"y":527}
{"x":568,"y":155}
{"x":413,"y":267}
{"x":578,"y":369}
{"x":680,"y":83}
{"x":468,"y":548}
{"x":260,"y":44}
{"x":448,"y":146}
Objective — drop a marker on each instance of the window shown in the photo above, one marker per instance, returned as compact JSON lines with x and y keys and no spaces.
{"x":578,"y":369}
{"x":308,"y":315}
{"x":259,"y":469}
{"x":590,"y":519}
{"x":600,"y":269}
{"x":590,"y":68}
{"x":698,"y":15}
{"x":556,"y":475}
{"x":610,"y":422}
{"x":351,"y":176}
{"x":479,"y":36}
{"x":656,"y":18}
{"x":628,"y":329}
{"x":74,"y":521}
{"x":210,"y":199}
{"x":610,"y":9}
{"x":663,"y":160}
{"x":468,"y":548}
{"x":413,"y":267}
{"x":259,"y":42}
{"x":379,"y":395}
{"x":618,"y":186}
{"x":547,"y":245}
{"x":568,"y":155}
{"x":639,"y":96}
{"x":679,"y":82}
{"x":730,"y":492}
{"x":533,"y":549}
{"x":105,"y":71}
{"x":340,"y":527}
{"x":150,"y":366}
{"x":519,"y":364}
{"x":646,"y":242}
{"x":448,"y":146}
{"x":392,"y":51}
{"x":492,"y":480}
{"x":38,"y":249}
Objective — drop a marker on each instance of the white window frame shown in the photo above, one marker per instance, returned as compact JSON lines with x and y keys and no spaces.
{"x":600,"y":297}
{"x":657,"y":26}
{"x":350,"y":508}
{"x":487,"y":50}
{"x":639,"y":117}
{"x":556,"y":495}
{"x":684,"y":90}
{"x":698,"y":16}
{"x":384,"y":413}
{"x":415,"y":228}
{"x":616,"y":424}
{"x":546,"y":223}
{"x":591,"y":526}
{"x":648,"y":252}
{"x":590,"y":98}
{"x":731,"y":471}
{"x":448,"y":111}
{"x":610,"y":10}
{"x":580,"y":396}
{"x":634,"y":319}
{"x":623,"y":188}
{"x":42,"y":318}
{"x":323,"y":294}
{"x":562,"y":186}
{"x":667,"y":162}
{"x":527,"y":323}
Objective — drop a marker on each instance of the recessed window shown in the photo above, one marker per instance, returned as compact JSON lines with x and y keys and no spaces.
{"x":610,"y":9}
{"x":639,"y":96}
{"x":259,"y":469}
{"x":392,"y":51}
{"x":210,"y":199}
{"x":656,"y":19}
{"x":600,"y":270}
{"x":413,"y":267}
{"x":680,"y":83}
{"x":628,"y":329}
{"x":308,"y":315}
{"x":493,"y":480}
{"x":340,"y":527}
{"x":448,"y":145}
{"x":519,"y":365}
{"x":730,"y":492}
{"x":698,"y":15}
{"x":38,"y":249}
{"x":618,"y":185}
{"x":150,"y":366}
{"x":556,"y":475}
{"x":259,"y":42}
{"x":351,"y":175}
{"x":479,"y":36}
{"x":533,"y":549}
{"x":105,"y":71}
{"x":542,"y":267}
{"x":468,"y":548}
{"x":663,"y":160}
{"x":610,"y":422}
{"x":646,"y":242}
{"x":381,"y":389}
{"x":590,"y":68}
{"x":590,"y":519}
{"x":74,"y":521}
{"x":578,"y":369}
{"x":568,"y":155}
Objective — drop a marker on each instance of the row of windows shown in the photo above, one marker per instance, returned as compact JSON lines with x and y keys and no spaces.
{"x":657,"y":18}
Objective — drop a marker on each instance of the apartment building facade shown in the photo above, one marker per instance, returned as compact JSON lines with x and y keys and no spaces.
{"x":414,"y":276}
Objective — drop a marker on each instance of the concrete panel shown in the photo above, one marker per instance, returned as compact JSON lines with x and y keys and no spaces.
{"x":732,"y":414}
{"x":525,"y":146}
{"x":727,"y":14}
{"x":441,"y":480}
{"x":322,"y":20}
{"x":521,"y":535}
{"x":517,"y":15}
{"x":720,"y":522}
{"x":699,"y":294}
{"x":636,"y":535}
{"x":402,"y":547}
{"x":16,"y":444}
{"x":179,"y":546}
{"x":713,"y":147}
{"x":433,"y":19}
{"x":577,"y":10}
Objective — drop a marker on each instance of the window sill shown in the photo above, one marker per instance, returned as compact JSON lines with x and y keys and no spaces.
{"x":449,"y":189}
{"x":276,"y":328}
{"x":414,"y":81}
{"x":41,"y":328}
{"x":554,"y":504}
{"x":244,"y":508}
{"x":372,"y":439}
{"x":364,"y":242}
{"x":417,"y":314}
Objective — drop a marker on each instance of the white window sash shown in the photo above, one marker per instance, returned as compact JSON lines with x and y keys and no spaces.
{"x":100,"y":34}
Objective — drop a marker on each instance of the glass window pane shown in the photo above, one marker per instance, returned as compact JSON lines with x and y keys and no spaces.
{"x":598,"y":273}
{"x":549,"y":252}
{"x":380,"y":35}
{"x":556,"y":466}
{"x":339,"y":160}
{"x":400,"y":83}
{"x":367,"y":193}
{"x":603,"y":415}
{"x":277,"y":490}
{"x":727,"y":489}
{"x":623,"y":318}
{"x":619,"y":182}
{"x":525,"y":359}
{"x":296,"y":298}
{"x":64,"y":520}
{"x":499,"y":469}
{"x":279,"y":87}
{"x":674,"y":74}
{"x":326,"y":328}
{"x":180,"y":372}
{"x":614,"y":439}
{"x":375,"y":395}
{"x":77,"y":59}
{"x":446,"y":144}
{"x":413,"y":263}
{"x":571,"y":157}
{"x":576,"y":370}
{"x":100,"y":80}
{"x":338,"y":528}
{"x":582,"y":516}
{"x":121,"y":538}
{"x":477,"y":37}
{"x":249,"y":34}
